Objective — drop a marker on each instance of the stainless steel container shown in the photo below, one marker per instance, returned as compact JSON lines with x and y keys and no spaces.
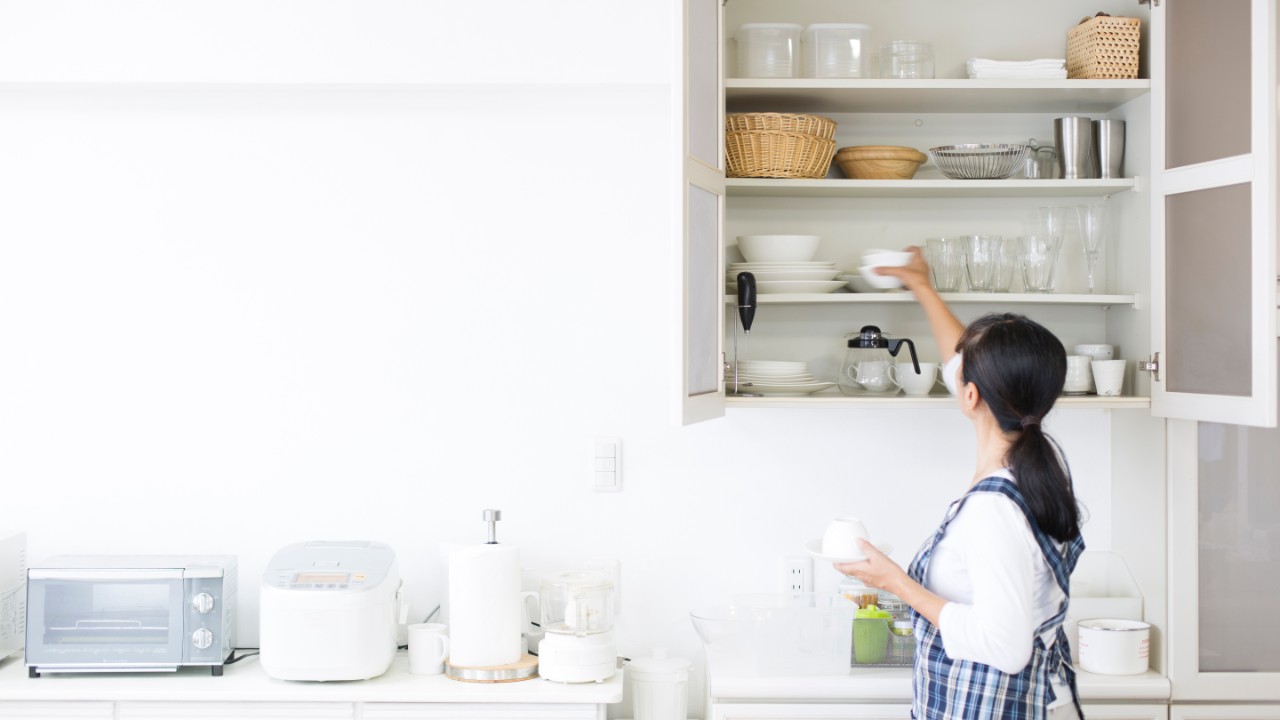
{"x":1077,"y":154}
{"x":1108,"y":138}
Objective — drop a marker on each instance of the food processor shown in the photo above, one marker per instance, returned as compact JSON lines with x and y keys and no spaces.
{"x":577,"y":617}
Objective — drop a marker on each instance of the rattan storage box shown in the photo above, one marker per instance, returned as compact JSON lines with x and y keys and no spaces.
{"x":1104,"y":48}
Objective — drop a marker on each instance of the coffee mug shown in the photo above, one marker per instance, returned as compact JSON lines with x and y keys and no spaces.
{"x":428,"y":648}
{"x":917,"y":384}
{"x":874,"y":376}
{"x":841,"y":538}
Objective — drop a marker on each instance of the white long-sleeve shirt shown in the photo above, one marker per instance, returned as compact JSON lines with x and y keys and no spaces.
{"x":997,"y":584}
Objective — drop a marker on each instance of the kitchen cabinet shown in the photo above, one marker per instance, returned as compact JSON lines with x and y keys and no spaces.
{"x":1224,"y":712}
{"x":816,"y":711}
{"x":856,"y":215}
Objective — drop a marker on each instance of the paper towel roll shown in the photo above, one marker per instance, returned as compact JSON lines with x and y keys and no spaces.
{"x":484,"y":605}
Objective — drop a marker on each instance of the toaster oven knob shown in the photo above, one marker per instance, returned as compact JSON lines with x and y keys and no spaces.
{"x":202,"y":638}
{"x":202,"y":603}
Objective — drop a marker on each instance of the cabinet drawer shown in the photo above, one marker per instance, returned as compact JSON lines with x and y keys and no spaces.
{"x":808,"y":711}
{"x":235,"y":710}
{"x":480,"y":711}
{"x":47,"y":710}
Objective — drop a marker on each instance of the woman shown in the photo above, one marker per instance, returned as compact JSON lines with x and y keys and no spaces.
{"x":989,"y":589}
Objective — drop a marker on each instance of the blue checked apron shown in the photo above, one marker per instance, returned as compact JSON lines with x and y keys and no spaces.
{"x":966,"y":690}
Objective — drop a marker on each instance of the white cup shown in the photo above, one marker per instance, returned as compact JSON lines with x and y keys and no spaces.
{"x":917,"y":384}
{"x":1108,"y":376}
{"x":428,"y":648}
{"x":1079,"y":379}
{"x":841,"y":538}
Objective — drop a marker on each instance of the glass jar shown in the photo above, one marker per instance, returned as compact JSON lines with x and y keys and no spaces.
{"x":906,"y":60}
{"x":902,"y":642}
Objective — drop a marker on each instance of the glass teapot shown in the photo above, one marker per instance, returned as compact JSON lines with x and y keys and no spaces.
{"x":868,"y":367}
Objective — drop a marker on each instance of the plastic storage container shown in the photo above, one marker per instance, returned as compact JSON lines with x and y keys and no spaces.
{"x":837,"y":50}
{"x":660,"y":686}
{"x":906,"y":60}
{"x":769,"y":50}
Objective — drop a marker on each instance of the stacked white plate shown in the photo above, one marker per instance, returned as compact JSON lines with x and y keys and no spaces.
{"x":787,"y":277}
{"x":775,"y":377}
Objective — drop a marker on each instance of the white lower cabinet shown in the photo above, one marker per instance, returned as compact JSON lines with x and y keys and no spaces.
{"x":859,"y":711}
{"x":1224,"y":712}
{"x":474,"y":711}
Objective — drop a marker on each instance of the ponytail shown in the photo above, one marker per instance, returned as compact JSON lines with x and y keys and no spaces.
{"x":1019,"y":368}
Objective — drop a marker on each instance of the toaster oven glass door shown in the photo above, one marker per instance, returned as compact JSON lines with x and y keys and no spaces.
{"x":111,"y":617}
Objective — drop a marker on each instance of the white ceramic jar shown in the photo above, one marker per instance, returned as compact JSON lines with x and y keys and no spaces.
{"x":660,"y":686}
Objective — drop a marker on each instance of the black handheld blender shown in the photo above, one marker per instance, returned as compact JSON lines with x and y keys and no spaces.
{"x":746,"y":314}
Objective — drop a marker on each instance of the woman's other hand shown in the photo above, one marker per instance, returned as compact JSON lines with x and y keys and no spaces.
{"x":877,"y":571}
{"x":914,"y":274}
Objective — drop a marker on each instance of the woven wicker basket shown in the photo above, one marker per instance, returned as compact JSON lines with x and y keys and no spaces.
{"x":777,"y":154}
{"x":1104,"y":48}
{"x":804,"y":124}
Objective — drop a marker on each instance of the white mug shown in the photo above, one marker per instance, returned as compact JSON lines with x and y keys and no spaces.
{"x":428,"y":648}
{"x":917,"y":384}
{"x":876,"y":376}
{"x":841,"y":538}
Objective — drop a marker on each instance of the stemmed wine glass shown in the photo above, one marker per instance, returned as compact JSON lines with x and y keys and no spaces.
{"x":1092,"y":228}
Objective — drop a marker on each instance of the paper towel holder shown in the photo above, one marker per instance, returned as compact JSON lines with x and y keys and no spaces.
{"x":491,"y":518}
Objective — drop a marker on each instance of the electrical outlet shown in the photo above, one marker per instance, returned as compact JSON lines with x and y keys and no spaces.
{"x":797,"y":571}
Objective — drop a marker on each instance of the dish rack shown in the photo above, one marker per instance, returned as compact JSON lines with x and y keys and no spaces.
{"x":778,"y":145}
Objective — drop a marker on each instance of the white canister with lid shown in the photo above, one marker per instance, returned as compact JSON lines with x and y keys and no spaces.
{"x":837,"y":50}
{"x":1114,"y":647}
{"x":769,"y":50}
{"x":660,"y":686}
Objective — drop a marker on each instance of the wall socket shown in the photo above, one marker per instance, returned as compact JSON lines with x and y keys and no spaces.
{"x":797,"y":573}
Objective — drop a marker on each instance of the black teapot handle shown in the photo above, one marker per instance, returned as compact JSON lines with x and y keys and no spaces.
{"x":896,"y":345}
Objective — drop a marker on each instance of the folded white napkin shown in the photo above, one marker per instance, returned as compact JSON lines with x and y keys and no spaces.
{"x":983,"y":68}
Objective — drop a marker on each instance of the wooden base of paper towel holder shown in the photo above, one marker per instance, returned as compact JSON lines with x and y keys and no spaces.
{"x":526,"y":668}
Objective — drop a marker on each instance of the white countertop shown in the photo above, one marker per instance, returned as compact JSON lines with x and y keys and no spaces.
{"x":894,"y":685}
{"x":245,"y":681}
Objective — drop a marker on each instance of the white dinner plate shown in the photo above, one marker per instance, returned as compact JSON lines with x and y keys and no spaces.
{"x":765,"y":287}
{"x":787,"y":275}
{"x":815,"y":549}
{"x":798,"y":389}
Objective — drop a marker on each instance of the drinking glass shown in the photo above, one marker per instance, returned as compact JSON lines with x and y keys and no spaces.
{"x":1093,"y":219}
{"x":982,"y":261}
{"x":945,"y":256}
{"x":1039,"y":260}
{"x":1048,"y":221}
{"x":1008,"y":262}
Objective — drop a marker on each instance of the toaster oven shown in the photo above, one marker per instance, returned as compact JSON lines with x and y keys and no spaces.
{"x":149,"y":613}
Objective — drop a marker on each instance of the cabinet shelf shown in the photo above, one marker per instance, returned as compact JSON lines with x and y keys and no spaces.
{"x":952,"y":298}
{"x":828,"y":399}
{"x":930,"y":96}
{"x":837,"y":188}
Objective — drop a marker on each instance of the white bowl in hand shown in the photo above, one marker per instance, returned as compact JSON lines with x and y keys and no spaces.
{"x":885,"y":258}
{"x":841,"y":538}
{"x":880,"y":282}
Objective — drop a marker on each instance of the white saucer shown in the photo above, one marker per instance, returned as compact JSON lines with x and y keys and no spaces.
{"x":815,"y":549}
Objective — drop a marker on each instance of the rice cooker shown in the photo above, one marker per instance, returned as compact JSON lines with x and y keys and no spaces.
{"x":330,"y":611}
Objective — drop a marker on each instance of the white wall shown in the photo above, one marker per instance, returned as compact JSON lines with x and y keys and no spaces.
{"x":238,"y":315}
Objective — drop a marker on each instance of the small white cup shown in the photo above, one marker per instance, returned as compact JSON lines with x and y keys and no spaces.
{"x":841,"y":538}
{"x":1079,"y":380}
{"x":1108,"y":376}
{"x":917,"y":384}
{"x":428,"y":648}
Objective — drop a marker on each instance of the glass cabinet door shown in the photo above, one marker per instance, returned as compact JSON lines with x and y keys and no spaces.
{"x":702,"y":202}
{"x":1213,"y":213}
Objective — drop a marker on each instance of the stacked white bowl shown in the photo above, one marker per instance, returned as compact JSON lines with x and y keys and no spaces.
{"x":776,"y":377}
{"x":783,"y":264}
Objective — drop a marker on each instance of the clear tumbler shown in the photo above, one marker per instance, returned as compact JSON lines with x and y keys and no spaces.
{"x":982,"y":261}
{"x":945,"y":256}
{"x":1039,"y":260}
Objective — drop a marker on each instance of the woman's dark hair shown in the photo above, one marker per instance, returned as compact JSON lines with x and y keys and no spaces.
{"x":1019,"y":368}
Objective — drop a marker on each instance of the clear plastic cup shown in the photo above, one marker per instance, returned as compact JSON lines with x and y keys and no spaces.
{"x":907,"y":60}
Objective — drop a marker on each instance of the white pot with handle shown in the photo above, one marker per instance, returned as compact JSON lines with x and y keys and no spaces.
{"x":1115,"y":647}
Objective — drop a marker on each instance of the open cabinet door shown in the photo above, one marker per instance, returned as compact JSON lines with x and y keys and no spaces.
{"x":699,"y":111}
{"x":1213,"y":215}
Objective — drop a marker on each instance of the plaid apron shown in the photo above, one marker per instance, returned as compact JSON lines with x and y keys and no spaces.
{"x":966,"y":690}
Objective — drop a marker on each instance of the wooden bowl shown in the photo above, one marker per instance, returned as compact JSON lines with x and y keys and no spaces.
{"x":879,"y":162}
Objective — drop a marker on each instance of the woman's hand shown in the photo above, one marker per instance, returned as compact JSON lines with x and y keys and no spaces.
{"x":877,"y":571}
{"x":915,"y":274}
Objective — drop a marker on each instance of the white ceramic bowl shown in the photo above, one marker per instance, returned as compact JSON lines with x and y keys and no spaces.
{"x":778,"y":248}
{"x":1097,"y":351}
{"x":880,"y":282}
{"x":841,"y":538}
{"x":886,"y":258}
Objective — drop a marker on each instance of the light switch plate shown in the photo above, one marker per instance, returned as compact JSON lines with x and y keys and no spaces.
{"x":606,"y":464}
